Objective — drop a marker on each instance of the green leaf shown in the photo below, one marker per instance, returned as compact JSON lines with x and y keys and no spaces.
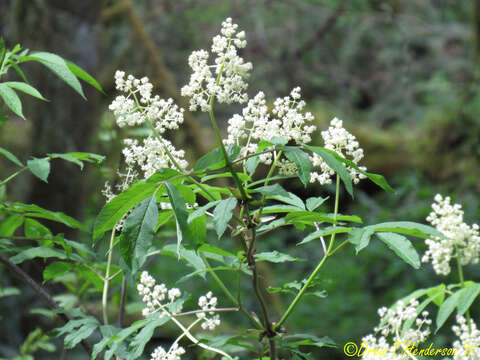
{"x":215,"y":160}
{"x":114,"y":210}
{"x":27,"y":89}
{"x":279,"y":193}
{"x":79,"y":157}
{"x":222,"y":214}
{"x":82,"y":74}
{"x":197,"y":229}
{"x":55,"y":269}
{"x":325,"y":232}
{"x":34,"y":229}
{"x":3,"y":51}
{"x":437,"y":294}
{"x":40,"y":168}
{"x":314,"y":202}
{"x":401,"y":246}
{"x":137,"y":346}
{"x":138,"y":233}
{"x":31,"y":210}
{"x":251,"y":164}
{"x":467,"y":297}
{"x":275,"y":257}
{"x":214,"y":250}
{"x":180,"y":211}
{"x":38,"y":252}
{"x":59,"y":67}
{"x":10,"y":156}
{"x":302,"y":161}
{"x":447,"y":308}
{"x":335,"y":165}
{"x":376,"y":178}
{"x":360,"y":237}
{"x":77,"y":330}
{"x":9,"y":225}
{"x":11,"y":99}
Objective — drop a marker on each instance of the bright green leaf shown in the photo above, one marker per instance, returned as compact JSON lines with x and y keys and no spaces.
{"x":222,"y":214}
{"x":11,"y":99}
{"x":27,"y":89}
{"x":10,"y":156}
{"x":401,"y":246}
{"x":40,"y":168}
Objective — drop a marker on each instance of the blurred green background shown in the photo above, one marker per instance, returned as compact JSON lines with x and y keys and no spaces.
{"x":403,"y":75}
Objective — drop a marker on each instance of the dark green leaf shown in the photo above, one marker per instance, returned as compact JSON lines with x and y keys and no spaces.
{"x":40,"y":168}
{"x":447,"y":308}
{"x":279,"y":193}
{"x":302,"y":161}
{"x":401,"y":246}
{"x":335,"y":165}
{"x":180,"y":211}
{"x":34,"y":229}
{"x":38,"y":252}
{"x":82,"y":74}
{"x":467,"y":297}
{"x":222,"y":214}
{"x":138,"y":233}
{"x":57,"y":268}
{"x":215,"y":160}
{"x":114,"y":210}
{"x":31,"y":210}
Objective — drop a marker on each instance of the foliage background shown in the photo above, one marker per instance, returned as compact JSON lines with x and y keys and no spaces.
{"x":402,"y":74}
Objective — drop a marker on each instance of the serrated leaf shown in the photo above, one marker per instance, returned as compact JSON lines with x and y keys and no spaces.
{"x":401,"y":246}
{"x":40,"y":168}
{"x":214,"y":250}
{"x":115,"y":209}
{"x":279,"y":193}
{"x":27,"y":89}
{"x":10,"y":156}
{"x":275,"y":257}
{"x":137,"y":346}
{"x":34,"y":229}
{"x":138,"y":233}
{"x":31,"y":210}
{"x":10,"y":224}
{"x":467,"y":297}
{"x":446,"y":309}
{"x":82,"y":74}
{"x":79,"y":157}
{"x":38,"y":252}
{"x":222,"y":215}
{"x":325,"y":232}
{"x":437,"y":294}
{"x":11,"y":99}
{"x":335,"y":165}
{"x":180,"y":211}
{"x":55,"y":269}
{"x":59,"y":67}
{"x":302,"y":161}
{"x":215,"y":160}
{"x":314,"y":202}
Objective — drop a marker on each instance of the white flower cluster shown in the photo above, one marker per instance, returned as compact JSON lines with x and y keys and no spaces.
{"x":458,"y":236}
{"x":338,"y":139}
{"x":228,"y":84}
{"x":174,"y":353}
{"x":138,"y":107}
{"x":288,"y":122}
{"x":156,"y":297}
{"x":208,"y":304}
{"x":152,"y":155}
{"x":391,"y":324}
{"x":468,"y":344}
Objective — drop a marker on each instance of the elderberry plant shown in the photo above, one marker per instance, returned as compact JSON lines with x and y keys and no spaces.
{"x":236,"y":194}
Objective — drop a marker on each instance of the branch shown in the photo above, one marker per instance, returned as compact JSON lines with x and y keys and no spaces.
{"x":41,"y":292}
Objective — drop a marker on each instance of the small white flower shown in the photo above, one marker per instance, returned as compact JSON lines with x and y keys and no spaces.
{"x":448,"y":219}
{"x":230,"y":69}
{"x":155,"y":295}
{"x":208,"y":304}
{"x":468,"y":343}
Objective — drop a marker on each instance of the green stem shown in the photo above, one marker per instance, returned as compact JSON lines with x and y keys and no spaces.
{"x":13,"y":175}
{"x":462,"y":281}
{"x":106,"y":280}
{"x":229,"y":294}
{"x":319,"y":266}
